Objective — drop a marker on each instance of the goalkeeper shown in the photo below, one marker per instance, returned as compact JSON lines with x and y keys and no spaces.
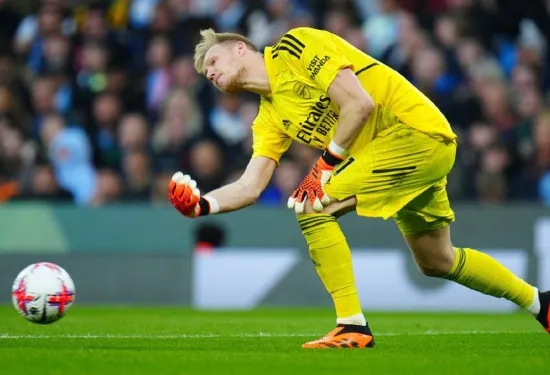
{"x":387,"y":152}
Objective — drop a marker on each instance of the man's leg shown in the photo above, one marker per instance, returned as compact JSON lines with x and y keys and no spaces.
{"x":425,"y":224}
{"x":331,"y":256}
{"x":436,"y":257}
{"x":362,"y":177}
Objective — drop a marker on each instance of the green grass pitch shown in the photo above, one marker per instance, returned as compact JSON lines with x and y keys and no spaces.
{"x":165,"y":341}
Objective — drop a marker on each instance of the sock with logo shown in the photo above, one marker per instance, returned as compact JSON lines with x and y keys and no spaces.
{"x":480,"y":272}
{"x":331,"y":256}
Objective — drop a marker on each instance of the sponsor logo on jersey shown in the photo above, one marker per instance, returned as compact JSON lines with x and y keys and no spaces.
{"x":301,"y":90}
{"x":318,"y":122}
{"x":316,"y":64}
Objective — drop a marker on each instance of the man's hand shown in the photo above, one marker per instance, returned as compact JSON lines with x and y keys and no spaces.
{"x":312,"y":186}
{"x":184,"y":195}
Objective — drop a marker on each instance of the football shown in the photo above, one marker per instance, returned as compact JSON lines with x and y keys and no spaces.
{"x":43,"y":292}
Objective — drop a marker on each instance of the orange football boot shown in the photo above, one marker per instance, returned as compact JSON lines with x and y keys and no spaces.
{"x":544,"y":315}
{"x":344,"y":336}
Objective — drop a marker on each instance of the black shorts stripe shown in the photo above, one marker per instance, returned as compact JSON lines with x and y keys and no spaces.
{"x":365,"y":68}
{"x":390,"y":170}
{"x":307,"y":223}
{"x":308,"y":220}
{"x":306,"y":227}
{"x":315,"y":221}
{"x":343,"y":166}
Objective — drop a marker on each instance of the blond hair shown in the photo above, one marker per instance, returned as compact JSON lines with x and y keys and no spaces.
{"x":210,"y":38}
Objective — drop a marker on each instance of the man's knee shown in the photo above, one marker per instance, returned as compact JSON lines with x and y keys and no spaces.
{"x":437,"y":267}
{"x":432,"y":252}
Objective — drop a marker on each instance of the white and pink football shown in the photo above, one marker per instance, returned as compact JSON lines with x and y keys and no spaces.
{"x":43,"y":293}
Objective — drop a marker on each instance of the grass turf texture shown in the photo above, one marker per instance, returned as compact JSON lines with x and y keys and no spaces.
{"x":178,"y":341}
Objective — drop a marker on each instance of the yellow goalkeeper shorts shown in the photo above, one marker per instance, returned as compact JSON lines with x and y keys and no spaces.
{"x":401,"y":174}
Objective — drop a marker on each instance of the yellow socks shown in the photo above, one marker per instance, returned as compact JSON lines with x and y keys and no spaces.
{"x":331,"y":255}
{"x":480,"y":272}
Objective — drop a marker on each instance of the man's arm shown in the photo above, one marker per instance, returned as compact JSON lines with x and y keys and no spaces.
{"x":335,"y":76}
{"x":355,"y":107}
{"x":246,"y":190}
{"x":186,"y":198}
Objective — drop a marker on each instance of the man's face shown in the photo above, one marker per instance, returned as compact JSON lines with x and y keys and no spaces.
{"x":223,"y":66}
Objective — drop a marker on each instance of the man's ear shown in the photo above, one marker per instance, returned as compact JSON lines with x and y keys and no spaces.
{"x":241,"y":48}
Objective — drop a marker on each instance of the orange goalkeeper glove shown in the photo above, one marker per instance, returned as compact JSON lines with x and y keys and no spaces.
{"x":312,"y":186}
{"x":186,"y":197}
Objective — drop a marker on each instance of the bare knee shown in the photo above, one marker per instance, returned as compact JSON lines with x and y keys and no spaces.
{"x":432,"y":252}
{"x":435,"y":267}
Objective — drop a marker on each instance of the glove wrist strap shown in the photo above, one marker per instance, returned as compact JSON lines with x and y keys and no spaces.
{"x":334,"y":154}
{"x":208,"y":206}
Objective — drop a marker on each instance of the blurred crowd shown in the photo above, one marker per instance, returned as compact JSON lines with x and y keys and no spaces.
{"x":99,"y":101}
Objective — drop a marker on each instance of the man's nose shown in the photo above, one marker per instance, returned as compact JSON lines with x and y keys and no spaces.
{"x":210,"y":74}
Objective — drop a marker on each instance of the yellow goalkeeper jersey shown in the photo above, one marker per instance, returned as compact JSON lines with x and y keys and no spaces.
{"x":301,"y":67}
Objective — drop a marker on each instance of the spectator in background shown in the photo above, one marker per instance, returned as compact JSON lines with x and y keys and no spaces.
{"x":497,"y":109}
{"x":536,"y":177}
{"x":120,"y":74}
{"x":13,"y":161}
{"x":70,"y":153}
{"x":96,"y":30}
{"x":43,"y":102}
{"x":187,"y":25}
{"x":284,"y":181}
{"x":206,"y":164}
{"x":137,"y":174}
{"x":186,"y":78}
{"x":108,"y":188}
{"x":179,"y":123}
{"x":9,"y":78}
{"x":133,"y":133}
{"x":9,"y":19}
{"x":10,"y":107}
{"x":400,"y":50}
{"x":141,"y":13}
{"x":107,"y":112}
{"x":429,"y":74}
{"x":381,"y":29}
{"x":159,"y":56}
{"x":121,"y":85}
{"x":52,"y":19}
{"x":491,"y":180}
{"x":158,"y":188}
{"x":56,"y":64}
{"x":226,"y":120}
{"x":44,"y":187}
{"x":90,"y":75}
{"x":155,"y":20}
{"x":49,"y":26}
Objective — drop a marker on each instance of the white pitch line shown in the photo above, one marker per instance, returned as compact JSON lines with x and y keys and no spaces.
{"x":7,"y":336}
